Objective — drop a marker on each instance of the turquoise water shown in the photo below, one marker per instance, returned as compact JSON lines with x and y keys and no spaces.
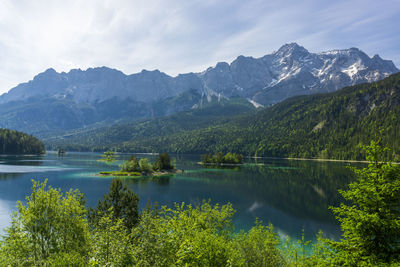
{"x":290,"y":194}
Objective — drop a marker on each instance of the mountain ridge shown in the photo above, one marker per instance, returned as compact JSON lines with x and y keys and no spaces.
{"x":263,"y":81}
{"x":358,"y":66}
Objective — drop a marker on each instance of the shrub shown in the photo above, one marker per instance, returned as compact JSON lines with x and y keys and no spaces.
{"x":49,"y":227}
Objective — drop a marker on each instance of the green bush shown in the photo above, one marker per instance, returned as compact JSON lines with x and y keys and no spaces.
{"x":144,"y":165}
{"x":49,"y":227}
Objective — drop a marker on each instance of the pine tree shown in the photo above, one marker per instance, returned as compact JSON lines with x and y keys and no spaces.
{"x":371,"y":224}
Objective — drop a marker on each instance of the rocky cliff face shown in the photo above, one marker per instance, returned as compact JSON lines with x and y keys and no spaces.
{"x":110,"y":95}
{"x":292,"y":70}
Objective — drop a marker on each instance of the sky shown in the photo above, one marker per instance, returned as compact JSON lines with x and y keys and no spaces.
{"x":180,"y":36}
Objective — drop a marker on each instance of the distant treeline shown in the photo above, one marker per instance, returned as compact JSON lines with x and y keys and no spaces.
{"x":14,"y":142}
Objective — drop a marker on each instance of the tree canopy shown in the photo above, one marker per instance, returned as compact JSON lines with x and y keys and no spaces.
{"x":14,"y":142}
{"x":371,"y":221}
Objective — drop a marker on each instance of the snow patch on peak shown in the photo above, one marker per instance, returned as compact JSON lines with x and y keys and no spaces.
{"x":353,"y":69}
{"x":254,"y":103}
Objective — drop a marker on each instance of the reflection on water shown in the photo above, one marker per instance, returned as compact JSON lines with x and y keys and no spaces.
{"x":13,"y":169}
{"x":290,"y":194}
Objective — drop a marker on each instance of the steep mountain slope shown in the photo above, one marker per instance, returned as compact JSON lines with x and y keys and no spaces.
{"x":101,"y":138}
{"x":44,"y":116}
{"x":101,"y":95}
{"x":331,"y":125}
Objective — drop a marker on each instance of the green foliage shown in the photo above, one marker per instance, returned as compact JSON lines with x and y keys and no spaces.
{"x":220,"y":158}
{"x":108,"y":156}
{"x":119,"y":203}
{"x":371,"y":223}
{"x":112,"y":241}
{"x":144,"y":165}
{"x":259,"y":246}
{"x":185,"y":235}
{"x":131,"y":165}
{"x":51,"y":226}
{"x":303,"y":253}
{"x":51,"y":230}
{"x":202,"y":236}
{"x":163,"y":162}
{"x":14,"y":142}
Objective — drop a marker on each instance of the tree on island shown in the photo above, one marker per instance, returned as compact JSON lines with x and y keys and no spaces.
{"x":131,"y":165}
{"x":220,"y":158}
{"x":145,"y":165}
{"x":108,"y":156}
{"x":163,"y":162}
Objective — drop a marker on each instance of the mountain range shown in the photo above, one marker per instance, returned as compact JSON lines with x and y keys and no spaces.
{"x":53,"y":103}
{"x":332,"y":125}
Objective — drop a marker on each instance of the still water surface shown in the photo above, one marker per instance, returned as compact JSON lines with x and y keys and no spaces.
{"x":290,"y":194}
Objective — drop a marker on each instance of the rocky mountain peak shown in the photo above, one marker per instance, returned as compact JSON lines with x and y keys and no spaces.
{"x":291,"y":49}
{"x":47,"y":74}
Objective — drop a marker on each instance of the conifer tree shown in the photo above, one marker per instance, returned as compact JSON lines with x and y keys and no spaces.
{"x":371,"y":223}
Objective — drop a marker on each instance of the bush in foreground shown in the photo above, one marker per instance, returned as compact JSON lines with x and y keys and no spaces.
{"x":52,"y":226}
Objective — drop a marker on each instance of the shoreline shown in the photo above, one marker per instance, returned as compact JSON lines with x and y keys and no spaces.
{"x":317,"y":159}
{"x":134,"y":174}
{"x":221,"y":164}
{"x":252,"y":157}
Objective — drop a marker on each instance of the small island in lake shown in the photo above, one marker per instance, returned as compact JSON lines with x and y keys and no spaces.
{"x":221,"y":159}
{"x":135,"y":168}
{"x":61,"y":152}
{"x":108,"y":157}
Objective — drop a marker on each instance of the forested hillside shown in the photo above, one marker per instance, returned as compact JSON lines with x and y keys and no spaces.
{"x":329,"y":125}
{"x":99,"y":139}
{"x":14,"y":142}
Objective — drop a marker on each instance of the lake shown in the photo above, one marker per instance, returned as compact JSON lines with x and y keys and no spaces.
{"x":290,"y":194}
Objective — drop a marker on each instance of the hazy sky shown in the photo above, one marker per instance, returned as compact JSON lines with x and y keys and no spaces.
{"x":177,"y":36}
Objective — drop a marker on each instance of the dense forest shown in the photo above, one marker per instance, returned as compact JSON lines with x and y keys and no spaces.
{"x":332,"y":125}
{"x":99,"y":139}
{"x":14,"y":142}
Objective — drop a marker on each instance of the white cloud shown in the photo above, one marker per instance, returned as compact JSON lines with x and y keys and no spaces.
{"x":181,"y":36}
